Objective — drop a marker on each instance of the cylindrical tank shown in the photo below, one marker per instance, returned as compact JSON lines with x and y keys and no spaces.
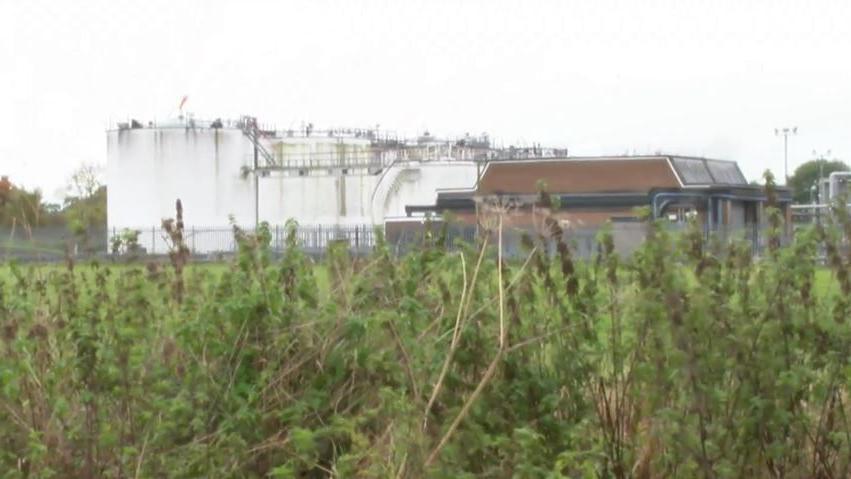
{"x":148,"y":169}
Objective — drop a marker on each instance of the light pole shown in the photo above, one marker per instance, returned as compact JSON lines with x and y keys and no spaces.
{"x":785,"y":132}
{"x":821,"y":159}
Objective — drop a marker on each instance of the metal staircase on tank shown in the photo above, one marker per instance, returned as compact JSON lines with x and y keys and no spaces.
{"x":249,"y":128}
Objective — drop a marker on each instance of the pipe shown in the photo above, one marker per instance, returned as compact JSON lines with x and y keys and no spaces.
{"x":657,"y":210}
{"x":809,"y":206}
{"x":833,"y":189}
{"x":709,"y":198}
{"x":709,"y":211}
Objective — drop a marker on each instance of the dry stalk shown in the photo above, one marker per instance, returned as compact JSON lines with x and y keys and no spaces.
{"x":501,"y":288}
{"x":401,"y":472}
{"x":536,"y":339}
{"x":141,"y":458}
{"x":492,"y":367}
{"x":510,"y":285}
{"x":455,"y":335}
{"x":407,"y":358}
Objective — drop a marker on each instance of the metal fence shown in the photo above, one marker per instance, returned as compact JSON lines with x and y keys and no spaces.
{"x":50,"y":243}
{"x":211,"y":243}
{"x":216,"y":241}
{"x":627,"y":237}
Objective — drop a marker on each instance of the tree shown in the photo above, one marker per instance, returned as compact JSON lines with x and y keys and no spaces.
{"x":19,"y":206}
{"x":84,"y":182}
{"x":85,"y":204}
{"x":5,"y":191}
{"x":807,"y":174}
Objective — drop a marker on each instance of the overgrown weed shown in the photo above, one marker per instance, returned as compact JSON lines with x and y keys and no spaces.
{"x":680,"y":361}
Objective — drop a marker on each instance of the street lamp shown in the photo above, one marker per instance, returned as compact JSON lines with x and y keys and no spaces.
{"x":821,"y":159}
{"x":785,"y":132}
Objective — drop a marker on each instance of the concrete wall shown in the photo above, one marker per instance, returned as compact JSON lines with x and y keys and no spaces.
{"x":736,"y":213}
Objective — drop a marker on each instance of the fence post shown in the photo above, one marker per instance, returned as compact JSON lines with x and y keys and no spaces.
{"x":193,"y":240}
{"x":153,"y":241}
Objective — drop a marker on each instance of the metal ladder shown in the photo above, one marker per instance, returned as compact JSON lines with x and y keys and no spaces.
{"x":249,"y":128}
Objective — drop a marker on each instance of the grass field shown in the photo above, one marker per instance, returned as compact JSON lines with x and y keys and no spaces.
{"x":824,"y":279}
{"x":438,"y":364}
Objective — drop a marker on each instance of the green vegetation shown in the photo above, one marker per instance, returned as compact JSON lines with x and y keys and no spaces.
{"x":685,"y":360}
{"x":84,"y":204}
{"x":806,"y":176}
{"x":30,"y":226}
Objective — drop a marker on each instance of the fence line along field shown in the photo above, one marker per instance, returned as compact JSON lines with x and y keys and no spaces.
{"x":686,"y":359}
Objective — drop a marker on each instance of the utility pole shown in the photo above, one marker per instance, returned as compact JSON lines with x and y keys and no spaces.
{"x":256,"y":176}
{"x":821,"y":159}
{"x":256,"y":192}
{"x":785,"y":132}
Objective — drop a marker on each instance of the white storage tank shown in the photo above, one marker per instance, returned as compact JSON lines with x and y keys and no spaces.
{"x":149,"y":168}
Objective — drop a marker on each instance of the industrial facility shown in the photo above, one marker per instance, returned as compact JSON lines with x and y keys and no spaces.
{"x":340,"y":184}
{"x":824,"y":193}
{"x":242,"y":173}
{"x":592,"y":191}
{"x":595,"y":190}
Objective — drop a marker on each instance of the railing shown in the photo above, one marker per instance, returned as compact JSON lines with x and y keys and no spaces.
{"x":328,"y":161}
{"x":481,"y":147}
{"x":251,"y":131}
{"x":313,"y":239}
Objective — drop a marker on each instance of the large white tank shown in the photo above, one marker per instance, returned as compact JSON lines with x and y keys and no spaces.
{"x":359,"y":197}
{"x":148,"y":169}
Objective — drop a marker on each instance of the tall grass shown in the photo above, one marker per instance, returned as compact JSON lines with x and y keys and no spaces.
{"x":681,"y":361}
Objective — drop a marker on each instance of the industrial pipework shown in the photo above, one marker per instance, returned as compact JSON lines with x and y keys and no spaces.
{"x":835,"y":179}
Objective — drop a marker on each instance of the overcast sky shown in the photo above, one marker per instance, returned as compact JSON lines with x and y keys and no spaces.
{"x":711,"y":78}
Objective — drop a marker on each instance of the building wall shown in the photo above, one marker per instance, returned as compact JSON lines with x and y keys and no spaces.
{"x":575,"y":218}
{"x":736,"y":214}
{"x":405,"y":234}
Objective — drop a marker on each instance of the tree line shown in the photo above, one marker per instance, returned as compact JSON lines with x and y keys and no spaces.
{"x":83,"y":206}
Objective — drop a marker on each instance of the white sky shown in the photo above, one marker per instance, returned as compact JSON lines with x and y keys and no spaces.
{"x":711,"y":78}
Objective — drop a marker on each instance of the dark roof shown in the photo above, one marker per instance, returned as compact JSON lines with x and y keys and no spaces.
{"x":607,"y":174}
{"x":578,"y":175}
{"x":606,"y":181}
{"x":702,"y":171}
